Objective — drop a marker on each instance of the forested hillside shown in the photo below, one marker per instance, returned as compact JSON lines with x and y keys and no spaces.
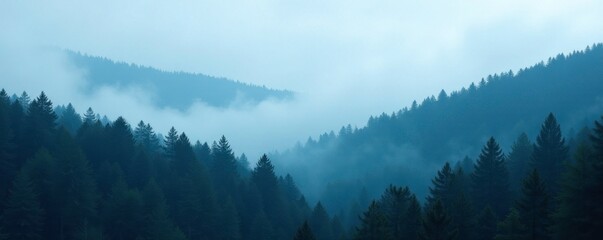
{"x":177,"y":90}
{"x":345,"y":168}
{"x":114,"y":182}
{"x":68,"y":176}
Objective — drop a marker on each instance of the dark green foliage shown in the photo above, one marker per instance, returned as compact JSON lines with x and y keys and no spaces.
{"x":7,"y":147}
{"x":22,"y":217}
{"x":442,"y":186}
{"x":486,"y":224}
{"x":320,"y":223}
{"x":373,"y":224}
{"x":108,"y":182}
{"x":70,"y":119}
{"x":550,"y":153}
{"x":157,"y":224}
{"x":40,"y":125}
{"x":518,"y":162}
{"x":261,"y":228}
{"x":224,"y":168}
{"x":510,"y":228}
{"x":579,"y":214}
{"x":75,"y":187}
{"x":123,"y":214}
{"x":490,"y":179}
{"x":304,"y":232}
{"x":146,"y":137}
{"x":437,"y":224}
{"x":534,"y":207}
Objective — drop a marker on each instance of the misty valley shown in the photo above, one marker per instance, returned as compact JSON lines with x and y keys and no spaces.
{"x":514,"y":156}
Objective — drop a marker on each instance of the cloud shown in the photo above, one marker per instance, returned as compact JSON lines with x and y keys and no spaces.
{"x":347,"y":59}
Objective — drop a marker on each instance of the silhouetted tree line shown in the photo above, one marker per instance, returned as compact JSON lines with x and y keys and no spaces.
{"x":178,"y":90}
{"x":399,"y":146}
{"x":66,"y":176}
{"x":557,"y":197}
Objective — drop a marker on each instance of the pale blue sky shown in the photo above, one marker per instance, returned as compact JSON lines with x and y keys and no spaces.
{"x":349,"y":59}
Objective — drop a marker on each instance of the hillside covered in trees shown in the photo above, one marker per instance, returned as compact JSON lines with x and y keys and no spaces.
{"x":68,"y":176}
{"x":178,"y":90}
{"x":345,"y":168}
{"x":109,"y":181}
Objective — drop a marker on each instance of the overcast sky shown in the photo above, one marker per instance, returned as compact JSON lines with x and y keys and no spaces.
{"x":347,"y":59}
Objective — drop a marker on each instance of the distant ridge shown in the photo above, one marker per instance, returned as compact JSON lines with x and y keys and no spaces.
{"x":405,"y":147}
{"x":178,"y":90}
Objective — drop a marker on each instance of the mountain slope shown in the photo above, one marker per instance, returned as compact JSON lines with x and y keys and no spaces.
{"x":406,"y":147}
{"x":173,"y":89}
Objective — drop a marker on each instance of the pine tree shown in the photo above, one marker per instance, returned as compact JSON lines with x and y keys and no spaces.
{"x":22,"y":217}
{"x":75,"y":187}
{"x":395,"y":202}
{"x":39,"y":126}
{"x":442,"y":187}
{"x":519,"y":162}
{"x":579,"y":214}
{"x":533,"y":207}
{"x":436,"y":224}
{"x":413,"y":219}
{"x":7,"y":163}
{"x":70,"y":119}
{"x":511,"y":228}
{"x":123,"y":213}
{"x":265,"y":180}
{"x":224,"y":169}
{"x":169,"y":143}
{"x":320,"y":223}
{"x":89,"y":117}
{"x":373,"y":224}
{"x":550,"y":153}
{"x":486,"y":227}
{"x":490,"y":179}
{"x":304,"y":233}
{"x":191,"y":196}
{"x":157,"y":224}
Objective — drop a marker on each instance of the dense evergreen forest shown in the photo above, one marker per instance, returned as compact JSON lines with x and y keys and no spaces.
{"x":71,"y":177}
{"x":178,"y":90}
{"x":345,"y":168}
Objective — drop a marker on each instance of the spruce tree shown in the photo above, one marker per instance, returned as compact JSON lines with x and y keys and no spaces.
{"x":70,"y":119}
{"x":39,"y":126}
{"x":373,"y":224}
{"x":442,"y":187}
{"x":394,"y":203}
{"x":320,"y":223}
{"x":304,"y":232}
{"x":533,"y":207}
{"x":22,"y":217}
{"x":224,"y":169}
{"x":486,"y":224}
{"x":437,"y":224}
{"x":550,"y":153}
{"x":490,"y":179}
{"x":519,"y":162}
{"x":579,"y":214}
{"x":510,"y":228}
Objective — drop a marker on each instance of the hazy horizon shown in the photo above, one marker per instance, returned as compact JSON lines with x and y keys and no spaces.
{"x":346,"y":60}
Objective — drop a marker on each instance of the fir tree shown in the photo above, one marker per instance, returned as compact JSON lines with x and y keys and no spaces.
{"x":436,"y":224}
{"x":533,"y":207}
{"x":486,"y":227}
{"x":373,"y":224}
{"x":304,"y":232}
{"x":320,"y":223}
{"x":510,"y":228}
{"x":490,"y":179}
{"x":224,"y":169}
{"x":519,"y":162}
{"x":22,"y":217}
{"x":550,"y":153}
{"x":70,"y":119}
